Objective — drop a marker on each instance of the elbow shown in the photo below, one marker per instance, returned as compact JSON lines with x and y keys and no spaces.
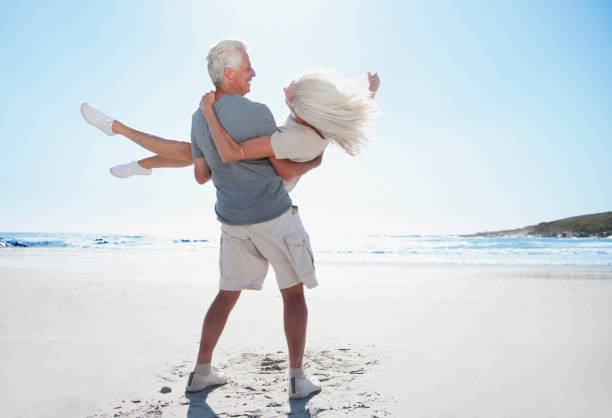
{"x":202,"y":178}
{"x":287,"y":174}
{"x":226,"y":159}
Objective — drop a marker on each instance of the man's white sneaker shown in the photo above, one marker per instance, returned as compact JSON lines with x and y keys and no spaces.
{"x":301,"y":388}
{"x":130,"y":169}
{"x":198,"y":382}
{"x":98,"y":119}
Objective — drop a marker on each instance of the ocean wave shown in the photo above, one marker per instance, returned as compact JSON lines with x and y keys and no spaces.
{"x":11,"y":243}
{"x":408,"y":249}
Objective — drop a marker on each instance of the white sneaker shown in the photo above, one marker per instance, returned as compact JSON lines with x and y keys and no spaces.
{"x":198,"y":382}
{"x":130,"y":169}
{"x":98,"y":119}
{"x":301,"y":388}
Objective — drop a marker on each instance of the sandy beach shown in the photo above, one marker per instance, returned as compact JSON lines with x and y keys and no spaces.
{"x":456,"y":190}
{"x":385,"y":340}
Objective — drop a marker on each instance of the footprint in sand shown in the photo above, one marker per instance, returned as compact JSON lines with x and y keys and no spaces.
{"x":257,"y":388}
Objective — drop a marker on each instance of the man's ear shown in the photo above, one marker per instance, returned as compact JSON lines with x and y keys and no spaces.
{"x":227,"y":72}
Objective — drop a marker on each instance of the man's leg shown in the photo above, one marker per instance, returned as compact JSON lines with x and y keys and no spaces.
{"x":214,"y":322}
{"x":203,"y":376}
{"x":295,"y":315}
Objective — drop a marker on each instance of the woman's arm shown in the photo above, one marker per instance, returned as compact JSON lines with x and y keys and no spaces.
{"x":228,"y":149}
{"x":288,"y":169}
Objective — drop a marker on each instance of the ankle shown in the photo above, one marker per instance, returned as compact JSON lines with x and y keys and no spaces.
{"x":119,"y":128}
{"x":143,"y":164}
{"x":297,"y":372}
{"x":203,"y":369}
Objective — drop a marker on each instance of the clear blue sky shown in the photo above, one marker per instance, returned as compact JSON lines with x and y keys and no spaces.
{"x":495,"y":114}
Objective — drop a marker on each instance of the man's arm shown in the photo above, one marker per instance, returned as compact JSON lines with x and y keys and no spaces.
{"x":201,"y":171}
{"x":288,"y":169}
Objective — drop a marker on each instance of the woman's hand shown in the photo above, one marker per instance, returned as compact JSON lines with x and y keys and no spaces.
{"x":374,"y":81}
{"x":208,"y":100}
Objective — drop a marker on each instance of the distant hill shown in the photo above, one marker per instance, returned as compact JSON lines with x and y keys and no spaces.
{"x":597,"y":226}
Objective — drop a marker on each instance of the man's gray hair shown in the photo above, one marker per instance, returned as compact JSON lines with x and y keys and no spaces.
{"x":226,"y":54}
{"x":338,"y":108}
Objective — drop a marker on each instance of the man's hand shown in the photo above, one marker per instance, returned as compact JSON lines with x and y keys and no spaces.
{"x":207,"y":102}
{"x":374,"y":81}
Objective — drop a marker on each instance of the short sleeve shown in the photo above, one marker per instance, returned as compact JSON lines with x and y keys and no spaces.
{"x":268,"y":124}
{"x":195,"y":149}
{"x":285,"y":144}
{"x":298,"y":143}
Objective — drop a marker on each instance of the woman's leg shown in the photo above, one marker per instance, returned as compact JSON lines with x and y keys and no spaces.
{"x":158,"y":161}
{"x":171,"y":150}
{"x":144,"y":167}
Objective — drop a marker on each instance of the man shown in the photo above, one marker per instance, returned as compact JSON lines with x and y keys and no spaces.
{"x":259,"y":224}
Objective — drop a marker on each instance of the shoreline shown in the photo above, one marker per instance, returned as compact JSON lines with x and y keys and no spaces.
{"x":187,"y":265}
{"x":186,"y":254}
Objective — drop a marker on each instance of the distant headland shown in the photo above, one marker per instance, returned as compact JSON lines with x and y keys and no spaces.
{"x":598,"y":225}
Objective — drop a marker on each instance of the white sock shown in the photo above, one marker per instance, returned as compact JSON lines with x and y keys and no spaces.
{"x":129,"y":169}
{"x":203,"y":369}
{"x":97,"y":118}
{"x":298,"y":373}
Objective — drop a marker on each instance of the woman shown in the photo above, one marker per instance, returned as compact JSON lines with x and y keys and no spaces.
{"x":322,"y":110}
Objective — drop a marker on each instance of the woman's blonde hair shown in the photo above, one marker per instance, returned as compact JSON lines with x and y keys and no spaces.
{"x":340,"y":110}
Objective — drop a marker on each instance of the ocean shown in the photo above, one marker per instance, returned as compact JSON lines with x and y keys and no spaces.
{"x":380,"y":249}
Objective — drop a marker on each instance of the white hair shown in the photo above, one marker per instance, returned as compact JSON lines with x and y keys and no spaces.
{"x":226,"y":54}
{"x":341,"y":111}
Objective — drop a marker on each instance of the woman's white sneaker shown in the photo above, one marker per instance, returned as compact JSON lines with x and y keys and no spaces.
{"x":97,"y":119}
{"x":301,"y":388}
{"x":130,"y":169}
{"x":198,"y":382}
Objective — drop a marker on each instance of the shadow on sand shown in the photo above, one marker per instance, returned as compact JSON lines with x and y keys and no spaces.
{"x":298,"y":406}
{"x":199,"y":408}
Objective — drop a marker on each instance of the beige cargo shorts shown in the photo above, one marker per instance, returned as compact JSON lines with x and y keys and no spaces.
{"x":246,"y":250}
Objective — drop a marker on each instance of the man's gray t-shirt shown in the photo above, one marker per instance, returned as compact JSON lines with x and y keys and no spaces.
{"x":250,"y":191}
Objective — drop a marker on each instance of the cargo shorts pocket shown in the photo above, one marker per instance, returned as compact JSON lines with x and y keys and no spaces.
{"x":300,"y":253}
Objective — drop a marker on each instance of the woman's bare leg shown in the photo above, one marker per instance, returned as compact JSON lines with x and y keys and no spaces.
{"x":144,"y":167}
{"x":172,"y":150}
{"x":158,"y":161}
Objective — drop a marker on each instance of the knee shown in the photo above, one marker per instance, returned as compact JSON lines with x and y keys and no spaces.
{"x":227,"y":299}
{"x":297,"y":289}
{"x":229,"y":295}
{"x":294,"y":298}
